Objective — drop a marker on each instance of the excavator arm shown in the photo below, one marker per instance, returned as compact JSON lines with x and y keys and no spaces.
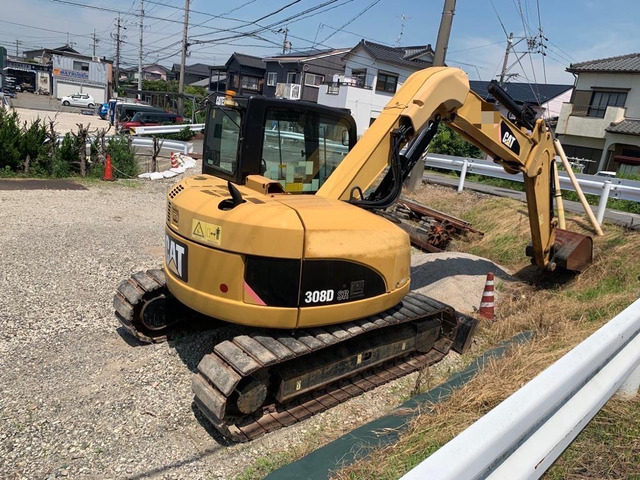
{"x":443,"y":94}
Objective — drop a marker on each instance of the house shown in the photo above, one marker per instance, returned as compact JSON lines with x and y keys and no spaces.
{"x":601,"y":123}
{"x":545,"y":99}
{"x":373,"y":72}
{"x":73,"y":73}
{"x":192,"y":73}
{"x":299,"y":75}
{"x":245,"y":74}
{"x":154,"y":72}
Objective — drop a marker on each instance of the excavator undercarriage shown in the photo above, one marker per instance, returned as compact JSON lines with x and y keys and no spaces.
{"x":265,"y":379}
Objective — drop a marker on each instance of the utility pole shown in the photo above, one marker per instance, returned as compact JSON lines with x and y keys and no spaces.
{"x":503,"y":72}
{"x":117,"y":39}
{"x":285,"y":44}
{"x":95,"y":42}
{"x":415,"y":178}
{"x":183,"y":58}
{"x":444,"y":32}
{"x":140,"y":52}
{"x":18,"y":42}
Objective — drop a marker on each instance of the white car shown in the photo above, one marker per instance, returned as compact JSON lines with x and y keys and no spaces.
{"x":78,"y":100}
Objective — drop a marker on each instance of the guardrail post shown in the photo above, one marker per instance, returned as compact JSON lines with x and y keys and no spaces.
{"x":463,"y":173}
{"x":631,"y":385}
{"x":604,"y":198}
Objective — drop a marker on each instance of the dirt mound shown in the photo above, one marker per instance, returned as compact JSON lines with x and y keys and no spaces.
{"x":454,"y":278}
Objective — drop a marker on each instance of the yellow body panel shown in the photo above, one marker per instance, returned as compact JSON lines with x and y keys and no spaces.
{"x":208,"y":269}
{"x":276,"y":226}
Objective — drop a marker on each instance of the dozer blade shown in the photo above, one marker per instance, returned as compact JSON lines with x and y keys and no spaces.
{"x":572,"y":251}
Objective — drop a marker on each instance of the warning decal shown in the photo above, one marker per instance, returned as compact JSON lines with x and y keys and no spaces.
{"x":208,"y":232}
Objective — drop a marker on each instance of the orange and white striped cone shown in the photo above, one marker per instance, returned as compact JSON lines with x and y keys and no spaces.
{"x":487,"y":302}
{"x":174,"y":161}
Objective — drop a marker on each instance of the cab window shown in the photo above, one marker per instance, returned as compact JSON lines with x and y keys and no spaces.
{"x":301,"y":149}
{"x":221,"y":146}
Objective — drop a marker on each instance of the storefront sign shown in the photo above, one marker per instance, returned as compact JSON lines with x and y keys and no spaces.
{"x":60,"y":72}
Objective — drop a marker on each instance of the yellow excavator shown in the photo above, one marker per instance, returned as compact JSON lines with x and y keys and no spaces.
{"x":320,"y":282}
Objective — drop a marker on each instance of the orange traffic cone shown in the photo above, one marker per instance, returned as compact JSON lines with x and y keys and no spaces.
{"x":108,"y":174}
{"x":174,"y":161}
{"x":487,"y":303}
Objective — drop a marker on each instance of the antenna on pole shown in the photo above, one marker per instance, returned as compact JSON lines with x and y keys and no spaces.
{"x":403,"y":18}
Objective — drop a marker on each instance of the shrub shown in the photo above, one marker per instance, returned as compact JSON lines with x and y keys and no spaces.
{"x":122,"y":154}
{"x":67,"y":156}
{"x":10,"y":155}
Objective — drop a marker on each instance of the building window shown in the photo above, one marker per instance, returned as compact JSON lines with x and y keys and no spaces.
{"x":250,"y":83}
{"x":80,"y":66}
{"x":333,"y":89}
{"x":313,"y":80}
{"x":387,"y":82}
{"x":291,"y":77}
{"x":272,"y":79}
{"x":601,"y":100}
{"x":360,"y":77}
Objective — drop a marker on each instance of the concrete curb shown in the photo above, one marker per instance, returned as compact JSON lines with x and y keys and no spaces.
{"x":363,"y":440}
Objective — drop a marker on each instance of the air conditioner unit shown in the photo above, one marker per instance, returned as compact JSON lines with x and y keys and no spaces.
{"x":290,"y":91}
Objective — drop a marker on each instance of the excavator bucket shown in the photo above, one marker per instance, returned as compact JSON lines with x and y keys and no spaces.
{"x":573,"y":251}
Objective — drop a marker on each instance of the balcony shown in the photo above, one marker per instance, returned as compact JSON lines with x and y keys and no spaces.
{"x":572,"y":121}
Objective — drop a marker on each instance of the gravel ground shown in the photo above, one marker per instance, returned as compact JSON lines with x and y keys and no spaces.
{"x":79,"y":399}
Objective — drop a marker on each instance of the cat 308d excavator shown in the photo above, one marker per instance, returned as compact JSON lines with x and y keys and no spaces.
{"x":321,"y":282}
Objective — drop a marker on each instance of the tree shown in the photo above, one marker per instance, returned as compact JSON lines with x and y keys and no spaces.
{"x":448,"y":142}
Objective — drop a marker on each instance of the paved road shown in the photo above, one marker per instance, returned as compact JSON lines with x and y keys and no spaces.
{"x":630,"y":220}
{"x":42,"y":102}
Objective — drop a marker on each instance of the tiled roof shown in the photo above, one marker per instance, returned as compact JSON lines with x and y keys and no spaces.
{"x":402,"y":56}
{"x":531,"y":94}
{"x":625,"y":127}
{"x":305,"y":56}
{"x":196,"y":69}
{"x":625,"y":64}
{"x":248,"y":60}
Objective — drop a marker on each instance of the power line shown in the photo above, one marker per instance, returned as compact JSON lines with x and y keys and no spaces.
{"x":355,"y":17}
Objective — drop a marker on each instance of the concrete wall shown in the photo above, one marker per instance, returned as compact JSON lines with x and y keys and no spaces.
{"x":587,"y":126}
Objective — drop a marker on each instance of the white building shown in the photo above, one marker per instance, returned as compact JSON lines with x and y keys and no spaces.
{"x":77,"y":74}
{"x":602,"y":122}
{"x":373,"y":72}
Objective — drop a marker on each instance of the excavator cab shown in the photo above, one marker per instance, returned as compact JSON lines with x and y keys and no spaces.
{"x":297,"y":144}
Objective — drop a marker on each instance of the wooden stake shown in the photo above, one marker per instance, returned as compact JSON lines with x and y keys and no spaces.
{"x":576,"y":186}
{"x":558,"y":197}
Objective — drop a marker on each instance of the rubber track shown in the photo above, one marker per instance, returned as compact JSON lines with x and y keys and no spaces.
{"x":220,"y":372}
{"x":130,"y":297}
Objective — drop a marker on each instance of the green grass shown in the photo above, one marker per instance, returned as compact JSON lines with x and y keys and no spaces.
{"x":262,"y":466}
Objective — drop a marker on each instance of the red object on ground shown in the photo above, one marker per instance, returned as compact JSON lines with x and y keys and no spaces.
{"x":174,"y":161}
{"x":487,"y":302}
{"x":108,"y":173}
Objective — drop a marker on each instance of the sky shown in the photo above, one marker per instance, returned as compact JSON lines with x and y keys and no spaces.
{"x":571,"y":31}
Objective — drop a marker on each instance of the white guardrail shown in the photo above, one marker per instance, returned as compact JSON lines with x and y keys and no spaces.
{"x":194,"y":127}
{"x":604,"y":187}
{"x":523,"y":436}
{"x":173,"y":145}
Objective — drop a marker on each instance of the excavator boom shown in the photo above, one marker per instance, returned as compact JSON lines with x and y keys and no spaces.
{"x":443,"y":94}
